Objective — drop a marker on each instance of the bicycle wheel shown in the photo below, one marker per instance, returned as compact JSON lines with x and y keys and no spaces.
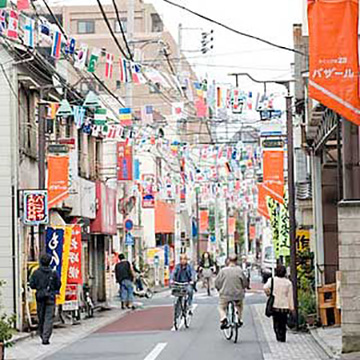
{"x":228,"y":332}
{"x":235,"y":323}
{"x":177,"y":313}
{"x":187,"y":316}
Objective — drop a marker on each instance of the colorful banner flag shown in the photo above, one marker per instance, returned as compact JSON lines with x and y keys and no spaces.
{"x":58,"y":241}
{"x":100,"y":116}
{"x":79,"y":116}
{"x":23,"y":4}
{"x":29,"y":32}
{"x":262,"y":202}
{"x":70,"y":46}
{"x":333,"y":50}
{"x":201,"y":108}
{"x":147,"y":115}
{"x":80,"y":58}
{"x":109,"y":66}
{"x":13,"y":25}
{"x":56,"y":47}
{"x":94,"y":58}
{"x":124,"y":161}
{"x":148,"y":191}
{"x":58,"y":179}
{"x":74,"y":272}
{"x":204,"y":221}
{"x":2,"y":21}
{"x":125,"y":117}
{"x":178,"y":110}
{"x":273,"y":173}
{"x":137,"y":76}
{"x":125,"y":71}
{"x":3,"y":3}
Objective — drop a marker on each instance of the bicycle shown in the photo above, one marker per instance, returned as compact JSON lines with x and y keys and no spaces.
{"x":181,"y":306}
{"x":232,"y":330}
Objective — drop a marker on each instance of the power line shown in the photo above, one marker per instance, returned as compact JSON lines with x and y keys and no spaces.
{"x":122,"y":29}
{"x":111,"y":30}
{"x":232,"y":29}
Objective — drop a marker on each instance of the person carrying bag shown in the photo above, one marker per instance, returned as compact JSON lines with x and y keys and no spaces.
{"x":280,"y":302}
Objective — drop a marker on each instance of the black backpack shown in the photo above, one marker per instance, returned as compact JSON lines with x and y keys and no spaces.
{"x":46,"y":294}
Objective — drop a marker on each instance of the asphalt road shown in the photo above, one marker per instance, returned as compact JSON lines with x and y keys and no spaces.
{"x":147,"y":334}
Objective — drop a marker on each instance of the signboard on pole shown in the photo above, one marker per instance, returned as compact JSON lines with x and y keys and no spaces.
{"x":124,"y":162}
{"x":36,"y":210}
{"x":148,"y":191}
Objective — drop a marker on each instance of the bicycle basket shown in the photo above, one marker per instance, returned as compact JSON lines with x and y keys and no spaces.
{"x":179,"y":290}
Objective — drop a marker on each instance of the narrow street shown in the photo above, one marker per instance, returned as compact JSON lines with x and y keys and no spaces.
{"x":148,"y":334}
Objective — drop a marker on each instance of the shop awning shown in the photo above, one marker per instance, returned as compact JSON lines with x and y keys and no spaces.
{"x":164,"y":217}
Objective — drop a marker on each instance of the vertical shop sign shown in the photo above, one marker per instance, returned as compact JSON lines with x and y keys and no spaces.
{"x":36,"y":207}
{"x":58,"y":179}
{"x":125,"y":161}
{"x":148,"y":191}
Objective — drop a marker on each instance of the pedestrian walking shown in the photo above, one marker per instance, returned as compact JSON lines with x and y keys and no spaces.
{"x":125,"y":277}
{"x":47,"y":284}
{"x":282,"y":290}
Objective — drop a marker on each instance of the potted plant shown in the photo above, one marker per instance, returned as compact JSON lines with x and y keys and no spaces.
{"x":6,"y":330}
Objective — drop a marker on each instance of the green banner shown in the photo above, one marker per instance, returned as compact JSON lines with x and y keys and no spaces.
{"x":284,"y":228}
{"x":274,"y":212}
{"x":3,"y":3}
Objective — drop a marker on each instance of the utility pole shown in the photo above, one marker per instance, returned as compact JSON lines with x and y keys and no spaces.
{"x":129,"y":93}
{"x":179,"y":54}
{"x":227,"y":228}
{"x":198,"y":227}
{"x":41,"y":162}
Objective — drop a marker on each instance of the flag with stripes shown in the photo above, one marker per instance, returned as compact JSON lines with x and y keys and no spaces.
{"x":109,"y":67}
{"x":137,"y":76}
{"x":115,"y":132}
{"x":147,"y":114}
{"x":125,"y":116}
{"x":13,"y":25}
{"x":56,"y":46}
{"x":125,"y":71}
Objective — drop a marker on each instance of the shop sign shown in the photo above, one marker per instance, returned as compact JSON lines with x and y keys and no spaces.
{"x":148,"y":191}
{"x":124,"y":162}
{"x":74,"y":272}
{"x":36,"y":207}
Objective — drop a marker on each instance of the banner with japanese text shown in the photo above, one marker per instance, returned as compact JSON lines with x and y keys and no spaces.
{"x":125,"y":161}
{"x":333,"y":53}
{"x":262,"y":202}
{"x":58,"y":179}
{"x":58,"y":242}
{"x":273,"y":174}
{"x":148,"y":191}
{"x":284,"y":228}
{"x":74,"y":271}
{"x":273,"y":207}
{"x":36,"y":207}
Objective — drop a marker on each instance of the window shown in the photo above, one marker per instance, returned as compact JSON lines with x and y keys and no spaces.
{"x":155,"y":88}
{"x":156,"y":23}
{"x":86,"y":26}
{"x":117,"y":26}
{"x":118,"y":84}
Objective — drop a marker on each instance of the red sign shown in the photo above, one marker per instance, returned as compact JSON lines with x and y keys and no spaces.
{"x":35,"y":207}
{"x":74,"y":271}
{"x":105,"y":221}
{"x":124,"y":161}
{"x":252,"y":232}
{"x":334,"y":60}
{"x":274,"y":174}
{"x":148,"y":191}
{"x":58,"y":179}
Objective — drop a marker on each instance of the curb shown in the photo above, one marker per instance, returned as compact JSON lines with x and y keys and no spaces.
{"x":327,"y":349}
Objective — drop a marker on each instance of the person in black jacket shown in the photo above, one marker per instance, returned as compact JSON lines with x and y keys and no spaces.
{"x":47,"y":284}
{"x":125,"y":277}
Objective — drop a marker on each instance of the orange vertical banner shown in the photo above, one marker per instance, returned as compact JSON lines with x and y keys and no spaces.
{"x":58,"y":179}
{"x":232,"y":225}
{"x":333,"y":51}
{"x":273,"y":174}
{"x":204,"y":221}
{"x":262,"y":206}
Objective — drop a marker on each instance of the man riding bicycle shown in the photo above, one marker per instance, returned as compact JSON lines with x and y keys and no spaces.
{"x":185,"y":274}
{"x":231,"y":283}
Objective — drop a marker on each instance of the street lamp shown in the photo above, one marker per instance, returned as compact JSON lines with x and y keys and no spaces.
{"x":291,"y":179}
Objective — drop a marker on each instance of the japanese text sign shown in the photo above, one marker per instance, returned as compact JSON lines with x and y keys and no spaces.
{"x":124,"y":162}
{"x":333,"y":53}
{"x":148,"y":191}
{"x":58,"y":241}
{"x":74,"y":271}
{"x":35,"y":207}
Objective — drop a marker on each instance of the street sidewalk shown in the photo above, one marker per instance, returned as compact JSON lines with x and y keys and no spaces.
{"x":299,"y":346}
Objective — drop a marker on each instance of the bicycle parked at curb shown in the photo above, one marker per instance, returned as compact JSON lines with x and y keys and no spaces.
{"x":232,"y":329}
{"x":181,"y":306}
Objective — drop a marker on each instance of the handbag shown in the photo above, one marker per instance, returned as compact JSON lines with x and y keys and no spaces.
{"x":269,"y":311}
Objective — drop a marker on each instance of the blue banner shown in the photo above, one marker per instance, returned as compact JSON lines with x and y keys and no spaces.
{"x":55,"y":247}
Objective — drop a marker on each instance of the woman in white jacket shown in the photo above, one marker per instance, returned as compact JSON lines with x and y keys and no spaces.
{"x":283,"y":303}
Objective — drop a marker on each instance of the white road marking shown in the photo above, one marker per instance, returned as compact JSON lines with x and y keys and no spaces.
{"x":156,"y":351}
